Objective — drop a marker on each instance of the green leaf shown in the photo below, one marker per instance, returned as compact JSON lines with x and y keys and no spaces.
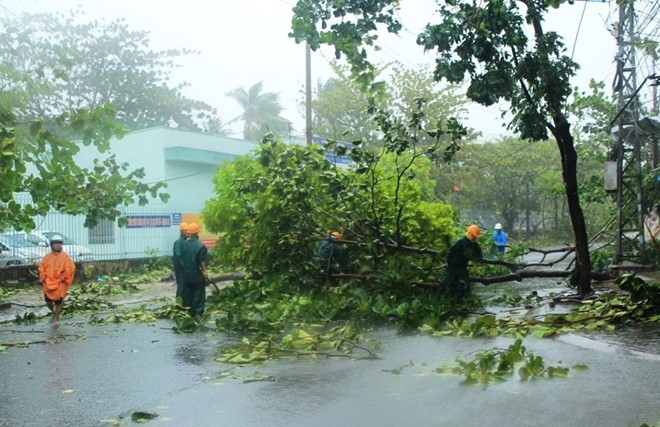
{"x":142,"y":416}
{"x":579,"y":367}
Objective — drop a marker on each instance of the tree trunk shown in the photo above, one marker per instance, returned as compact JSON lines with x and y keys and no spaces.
{"x":562,"y":133}
{"x":226,"y":277}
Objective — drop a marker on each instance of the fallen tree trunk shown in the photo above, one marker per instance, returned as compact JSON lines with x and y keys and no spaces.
{"x":227,"y":277}
{"x":516,"y":276}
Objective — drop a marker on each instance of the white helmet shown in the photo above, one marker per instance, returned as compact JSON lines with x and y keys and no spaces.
{"x":498,"y":226}
{"x":56,"y":239}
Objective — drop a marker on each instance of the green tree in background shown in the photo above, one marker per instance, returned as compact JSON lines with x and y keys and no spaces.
{"x":516,"y":178}
{"x":341,"y":109}
{"x":341,"y":105}
{"x":53,"y":64}
{"x":261,"y":112}
{"x":594,"y":111}
{"x":487,"y":41}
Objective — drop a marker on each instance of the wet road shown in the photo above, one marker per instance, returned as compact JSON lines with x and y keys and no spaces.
{"x":89,"y":375}
{"x":99,"y":374}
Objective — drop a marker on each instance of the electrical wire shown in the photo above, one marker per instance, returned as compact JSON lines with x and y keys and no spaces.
{"x":184,"y":176}
{"x":577,"y":33}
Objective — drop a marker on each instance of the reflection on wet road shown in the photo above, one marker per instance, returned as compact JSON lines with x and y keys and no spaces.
{"x":87,"y":374}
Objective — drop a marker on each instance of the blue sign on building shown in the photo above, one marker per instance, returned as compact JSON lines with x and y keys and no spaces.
{"x":176,"y":219}
{"x":148,"y":221}
{"x":330,"y":154}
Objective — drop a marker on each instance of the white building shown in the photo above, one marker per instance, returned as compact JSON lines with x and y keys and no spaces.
{"x":186,"y":161}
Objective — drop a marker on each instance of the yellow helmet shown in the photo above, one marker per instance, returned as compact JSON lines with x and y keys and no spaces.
{"x":336,"y":235}
{"x":183,"y":226}
{"x":193,"y":228}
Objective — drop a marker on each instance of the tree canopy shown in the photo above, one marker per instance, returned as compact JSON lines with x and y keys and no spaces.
{"x":274,"y":206}
{"x":52,"y":63}
{"x":261,"y":112}
{"x":485,"y":44}
{"x":341,"y":105}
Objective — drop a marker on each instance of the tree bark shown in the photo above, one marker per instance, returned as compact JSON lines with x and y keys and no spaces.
{"x":515,"y":276}
{"x":226,"y":277}
{"x":562,"y":134}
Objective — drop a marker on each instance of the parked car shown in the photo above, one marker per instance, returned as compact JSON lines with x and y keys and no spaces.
{"x":77,"y":252}
{"x":15,"y":247}
{"x":7,"y":259}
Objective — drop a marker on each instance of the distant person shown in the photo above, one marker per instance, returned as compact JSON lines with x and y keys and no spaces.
{"x":194,"y":271}
{"x":654,"y":223}
{"x":500,"y":239}
{"x":455,"y":279}
{"x":56,"y":273}
{"x":177,"y":260}
{"x":331,"y":256}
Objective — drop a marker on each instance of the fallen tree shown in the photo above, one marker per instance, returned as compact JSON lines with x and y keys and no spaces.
{"x":227,"y":277}
{"x":518,"y":271}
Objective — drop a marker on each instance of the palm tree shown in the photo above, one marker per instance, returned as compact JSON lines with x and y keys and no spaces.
{"x":261,"y":112}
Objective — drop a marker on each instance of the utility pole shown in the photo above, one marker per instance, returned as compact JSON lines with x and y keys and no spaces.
{"x":629,"y":244}
{"x":308,"y":94}
{"x":654,"y":138}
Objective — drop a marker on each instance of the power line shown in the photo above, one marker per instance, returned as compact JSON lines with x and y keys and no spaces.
{"x":184,"y":176}
{"x":577,"y":33}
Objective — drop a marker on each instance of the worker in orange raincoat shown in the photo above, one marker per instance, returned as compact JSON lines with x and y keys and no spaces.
{"x":56,"y":272}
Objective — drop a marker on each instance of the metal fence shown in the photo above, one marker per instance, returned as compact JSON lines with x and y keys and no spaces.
{"x":151,"y":231}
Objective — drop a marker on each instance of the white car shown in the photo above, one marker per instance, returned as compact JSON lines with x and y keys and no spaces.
{"x":8,"y":259}
{"x":77,"y":252}
{"x":15,"y":248}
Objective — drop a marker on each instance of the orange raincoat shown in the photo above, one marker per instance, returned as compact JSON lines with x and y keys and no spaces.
{"x":56,"y":273}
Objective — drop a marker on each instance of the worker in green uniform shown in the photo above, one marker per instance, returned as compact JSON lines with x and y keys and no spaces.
{"x":330,"y":256}
{"x":194,"y":272}
{"x":455,"y":279}
{"x":177,"y":261}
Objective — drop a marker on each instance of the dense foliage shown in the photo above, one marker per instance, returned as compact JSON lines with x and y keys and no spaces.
{"x":341,"y":106}
{"x":274,"y":207}
{"x":498,"y":47}
{"x":39,"y":159}
{"x":54,"y":63}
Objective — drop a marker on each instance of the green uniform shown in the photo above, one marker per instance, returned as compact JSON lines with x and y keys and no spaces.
{"x":329,"y":257}
{"x":177,"y":262}
{"x":455,"y":280}
{"x":331,"y":252}
{"x":194,"y":289}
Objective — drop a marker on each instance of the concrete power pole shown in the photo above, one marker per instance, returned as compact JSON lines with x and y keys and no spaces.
{"x":654,"y":112}
{"x":308,"y":94}
{"x":627,"y":148}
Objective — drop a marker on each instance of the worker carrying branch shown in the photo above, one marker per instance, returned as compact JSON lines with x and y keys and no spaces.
{"x":331,"y":256}
{"x":455,"y":279}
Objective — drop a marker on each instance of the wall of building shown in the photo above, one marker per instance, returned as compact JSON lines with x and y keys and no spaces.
{"x":186,"y":161}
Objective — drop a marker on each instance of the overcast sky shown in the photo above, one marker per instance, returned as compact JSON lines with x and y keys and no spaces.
{"x":242,"y":42}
